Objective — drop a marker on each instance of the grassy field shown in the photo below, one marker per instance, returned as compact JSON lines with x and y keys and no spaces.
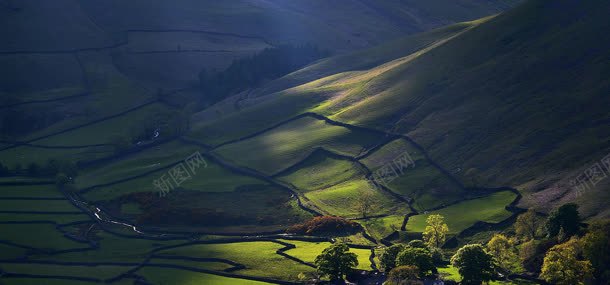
{"x":320,"y":171}
{"x":439,"y":96}
{"x":286,"y":145}
{"x":28,"y":78}
{"x":259,"y":258}
{"x":476,"y":96}
{"x":209,"y":177}
{"x":285,"y":105}
{"x":451,"y":273}
{"x":24,"y":155}
{"x":49,"y":281}
{"x":40,"y":236}
{"x":100,"y":133}
{"x":308,"y":251}
{"x":380,"y":228}
{"x":39,"y":205}
{"x":138,"y":163}
{"x":421,"y":181}
{"x":343,"y":199}
{"x":251,"y":208}
{"x":464,"y":214}
{"x":113,"y":249}
{"x":61,"y":219}
{"x":33,"y":191}
{"x":100,"y":272}
{"x":216,"y":266}
{"x":177,"y":276}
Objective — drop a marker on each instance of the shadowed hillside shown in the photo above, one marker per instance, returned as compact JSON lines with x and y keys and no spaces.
{"x":267,"y":141}
{"x":501,"y":103}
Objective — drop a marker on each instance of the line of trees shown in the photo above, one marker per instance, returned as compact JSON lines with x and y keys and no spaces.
{"x":251,"y":71}
{"x":559,"y":249}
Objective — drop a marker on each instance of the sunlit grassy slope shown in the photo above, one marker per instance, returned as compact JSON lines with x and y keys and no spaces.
{"x":421,"y":181}
{"x":169,"y":275}
{"x":227,"y":125}
{"x":499,"y":103}
{"x":284,"y":146}
{"x":308,"y":251}
{"x":464,"y":214}
{"x":261,"y":260}
{"x":320,"y":171}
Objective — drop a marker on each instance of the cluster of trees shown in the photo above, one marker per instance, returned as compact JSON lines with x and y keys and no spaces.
{"x":561,"y":249}
{"x":405,"y":263}
{"x":558,"y":248}
{"x":408,"y":263}
{"x":250,"y":72}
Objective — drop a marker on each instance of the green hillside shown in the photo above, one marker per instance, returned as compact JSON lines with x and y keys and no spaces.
{"x":444,"y":107}
{"x":483,"y":103}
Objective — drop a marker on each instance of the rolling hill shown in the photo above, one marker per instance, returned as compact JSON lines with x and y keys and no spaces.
{"x":498,"y":102}
{"x":414,"y":114}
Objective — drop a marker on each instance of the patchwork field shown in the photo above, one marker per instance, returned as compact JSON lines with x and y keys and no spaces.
{"x":307,"y":251}
{"x":261,"y":258}
{"x":320,"y":170}
{"x":421,"y":181}
{"x":473,"y":107}
{"x":462,"y":215}
{"x":287,"y":144}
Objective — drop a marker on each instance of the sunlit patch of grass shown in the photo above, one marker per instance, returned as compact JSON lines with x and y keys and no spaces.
{"x":184,"y":277}
{"x":308,"y":251}
{"x":286,"y":145}
{"x":343,"y":199}
{"x":421,"y":181}
{"x":380,"y":228}
{"x":261,"y":258}
{"x":101,"y":272}
{"x":321,"y":171}
{"x":464,"y":214}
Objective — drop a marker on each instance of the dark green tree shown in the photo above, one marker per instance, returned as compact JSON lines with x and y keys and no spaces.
{"x":388,"y":259}
{"x":336,"y":261}
{"x":404,"y":275}
{"x":596,"y":248}
{"x":420,"y":257}
{"x":566,"y":217}
{"x":474,"y":264}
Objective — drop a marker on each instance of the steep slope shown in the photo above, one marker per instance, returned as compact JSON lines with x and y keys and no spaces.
{"x":499,"y":104}
{"x":166,"y":44}
{"x":503,"y":104}
{"x":67,"y":49}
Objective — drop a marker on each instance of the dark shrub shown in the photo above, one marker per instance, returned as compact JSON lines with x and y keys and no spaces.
{"x":325,"y":225}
